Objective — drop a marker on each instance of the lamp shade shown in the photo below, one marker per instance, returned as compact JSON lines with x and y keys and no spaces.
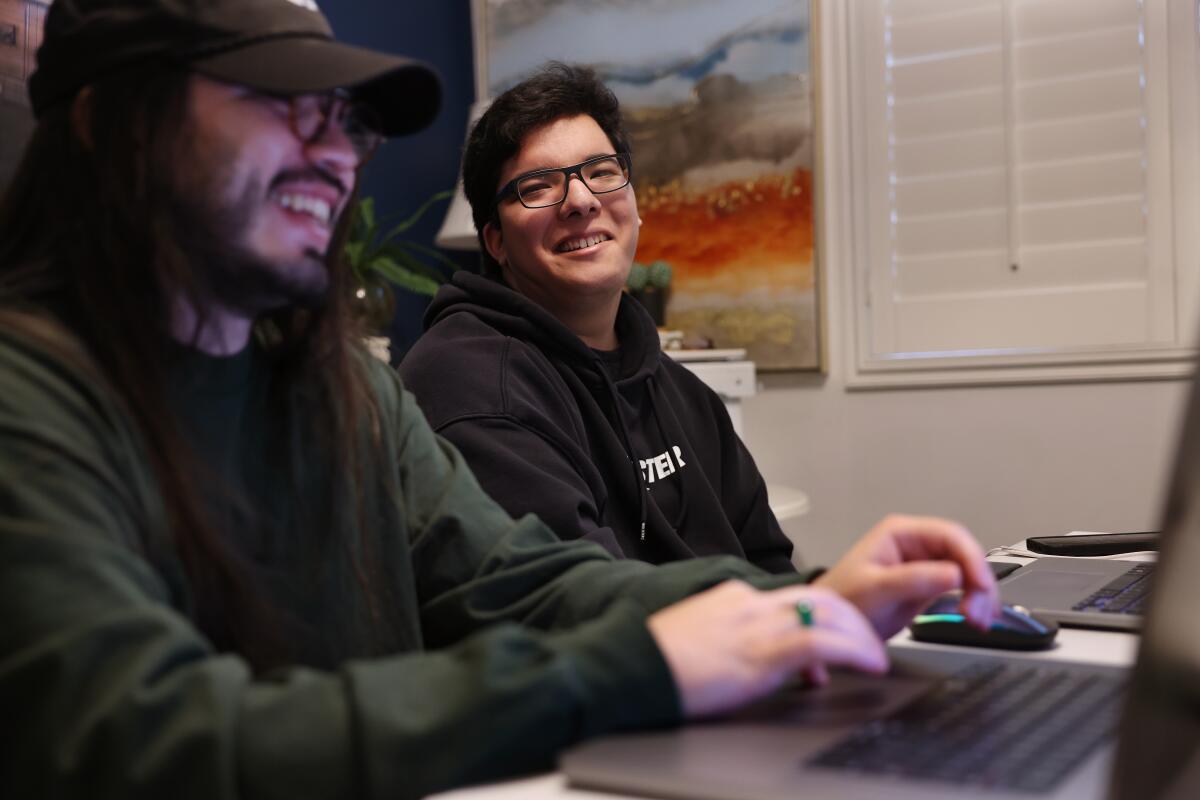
{"x":458,"y":229}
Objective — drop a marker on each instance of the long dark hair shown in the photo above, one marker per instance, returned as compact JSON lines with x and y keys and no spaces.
{"x":90,"y":223}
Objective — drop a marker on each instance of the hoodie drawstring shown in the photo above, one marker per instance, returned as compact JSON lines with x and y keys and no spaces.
{"x":639,"y":481}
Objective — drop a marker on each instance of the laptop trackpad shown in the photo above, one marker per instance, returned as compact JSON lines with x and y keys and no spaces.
{"x":848,"y":699}
{"x":1047,"y":587}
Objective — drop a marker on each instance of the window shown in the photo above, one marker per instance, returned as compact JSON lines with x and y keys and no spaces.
{"x":1026,"y":183}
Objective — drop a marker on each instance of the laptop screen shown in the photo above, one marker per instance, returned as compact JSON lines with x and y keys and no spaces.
{"x":1158,"y":754}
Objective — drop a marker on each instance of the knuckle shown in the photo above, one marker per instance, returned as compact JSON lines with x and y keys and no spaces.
{"x":735,"y":588}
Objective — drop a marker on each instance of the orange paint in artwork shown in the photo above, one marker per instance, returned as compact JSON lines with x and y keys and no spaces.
{"x":733,"y":237}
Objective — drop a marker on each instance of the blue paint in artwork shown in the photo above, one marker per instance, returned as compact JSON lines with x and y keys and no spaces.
{"x":685,"y":40}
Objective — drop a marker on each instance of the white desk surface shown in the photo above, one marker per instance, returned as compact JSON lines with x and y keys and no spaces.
{"x":1072,"y":645}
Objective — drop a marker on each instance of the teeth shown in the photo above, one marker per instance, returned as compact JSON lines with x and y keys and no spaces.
{"x":315,"y":207}
{"x":579,"y":244}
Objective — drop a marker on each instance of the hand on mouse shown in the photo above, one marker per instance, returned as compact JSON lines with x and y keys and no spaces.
{"x":732,"y":643}
{"x":904,"y":562}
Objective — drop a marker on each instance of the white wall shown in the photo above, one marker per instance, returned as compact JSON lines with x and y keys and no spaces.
{"x":1009,"y":461}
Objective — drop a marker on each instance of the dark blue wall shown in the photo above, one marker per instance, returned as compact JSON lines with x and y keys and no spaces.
{"x":407,"y":171}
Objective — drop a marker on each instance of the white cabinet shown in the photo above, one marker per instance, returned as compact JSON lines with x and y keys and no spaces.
{"x":727,"y":372}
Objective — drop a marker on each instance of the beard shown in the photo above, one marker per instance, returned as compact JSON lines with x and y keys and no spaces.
{"x":233,"y":274}
{"x":211,"y":231}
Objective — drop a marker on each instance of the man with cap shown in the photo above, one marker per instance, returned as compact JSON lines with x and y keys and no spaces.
{"x":234,"y":560}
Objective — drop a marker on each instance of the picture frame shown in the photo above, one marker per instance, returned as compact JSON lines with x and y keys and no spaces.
{"x":720,"y":101}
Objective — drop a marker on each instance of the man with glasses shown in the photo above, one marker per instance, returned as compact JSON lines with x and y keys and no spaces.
{"x":234,"y":559}
{"x":550,"y":379}
{"x":551,"y":382}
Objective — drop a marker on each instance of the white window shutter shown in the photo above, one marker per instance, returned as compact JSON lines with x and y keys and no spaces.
{"x":1018,"y":169}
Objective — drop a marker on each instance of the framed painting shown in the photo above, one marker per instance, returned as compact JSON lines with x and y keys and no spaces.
{"x":719,"y":103}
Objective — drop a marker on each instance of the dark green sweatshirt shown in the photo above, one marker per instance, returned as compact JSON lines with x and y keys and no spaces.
{"x":506,"y":644}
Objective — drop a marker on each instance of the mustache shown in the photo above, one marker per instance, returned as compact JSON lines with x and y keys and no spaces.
{"x":310,"y":173}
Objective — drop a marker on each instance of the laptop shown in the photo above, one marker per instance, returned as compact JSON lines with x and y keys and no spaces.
{"x":1083,"y":592}
{"x":953,"y":723}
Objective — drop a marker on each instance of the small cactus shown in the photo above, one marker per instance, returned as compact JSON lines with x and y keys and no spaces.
{"x":638,"y":276}
{"x":659,"y":274}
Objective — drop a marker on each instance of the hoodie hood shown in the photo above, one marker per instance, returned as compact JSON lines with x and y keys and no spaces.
{"x":513,"y":314}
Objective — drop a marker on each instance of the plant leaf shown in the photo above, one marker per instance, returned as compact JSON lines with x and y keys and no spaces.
{"x":436,"y":255}
{"x":393,"y":272}
{"x":366,"y":213}
{"x":407,"y":260}
{"x":400,"y":228}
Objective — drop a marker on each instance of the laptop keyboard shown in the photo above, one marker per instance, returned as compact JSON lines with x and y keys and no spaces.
{"x":1004,"y":726}
{"x":1127,"y":594}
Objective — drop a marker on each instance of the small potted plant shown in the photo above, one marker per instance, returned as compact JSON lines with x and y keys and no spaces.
{"x":649,"y":286}
{"x":379,"y":258}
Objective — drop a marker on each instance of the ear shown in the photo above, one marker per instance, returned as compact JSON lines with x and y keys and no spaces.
{"x":493,"y":237}
{"x":81,"y":116}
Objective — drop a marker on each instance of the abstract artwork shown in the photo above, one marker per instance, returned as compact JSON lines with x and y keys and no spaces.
{"x":718,"y":100}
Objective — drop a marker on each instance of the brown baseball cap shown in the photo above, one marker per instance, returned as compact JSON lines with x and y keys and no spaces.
{"x":278,"y":46}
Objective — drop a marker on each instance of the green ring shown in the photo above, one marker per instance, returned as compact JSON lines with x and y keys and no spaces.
{"x":804,"y":611}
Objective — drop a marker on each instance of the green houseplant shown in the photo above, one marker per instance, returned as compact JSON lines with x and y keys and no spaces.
{"x":649,"y":285}
{"x":379,"y":256}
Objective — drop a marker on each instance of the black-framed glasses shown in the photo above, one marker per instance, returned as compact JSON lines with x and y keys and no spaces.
{"x":548,"y":187}
{"x":309,"y":116}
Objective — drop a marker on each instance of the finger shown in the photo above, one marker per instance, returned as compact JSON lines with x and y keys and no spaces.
{"x":816,"y":675}
{"x":981,"y":596}
{"x":832,"y":612}
{"x":918,"y":581}
{"x":827,"y":609}
{"x":980,"y":607}
{"x":805,"y":648}
{"x":839,"y":634}
{"x":925,"y":537}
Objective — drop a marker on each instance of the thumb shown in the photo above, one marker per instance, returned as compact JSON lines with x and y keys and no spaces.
{"x":919,"y":580}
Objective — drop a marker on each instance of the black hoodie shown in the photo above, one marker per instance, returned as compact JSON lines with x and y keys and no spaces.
{"x":628,"y":449}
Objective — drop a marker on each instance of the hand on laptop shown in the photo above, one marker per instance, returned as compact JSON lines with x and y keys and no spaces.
{"x":733,"y":643}
{"x":904,"y":562}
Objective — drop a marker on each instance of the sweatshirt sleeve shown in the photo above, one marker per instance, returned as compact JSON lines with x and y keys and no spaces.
{"x":743,"y":489}
{"x":533,"y":471}
{"x":762,"y":538}
{"x":110,"y":691}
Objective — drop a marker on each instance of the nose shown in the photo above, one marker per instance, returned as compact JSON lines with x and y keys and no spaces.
{"x":579,"y":199}
{"x":334,"y":151}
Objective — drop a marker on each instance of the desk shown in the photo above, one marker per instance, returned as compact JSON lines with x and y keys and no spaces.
{"x":1073,"y":645}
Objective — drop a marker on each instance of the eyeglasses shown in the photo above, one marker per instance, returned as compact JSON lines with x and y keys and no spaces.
{"x":548,"y":187}
{"x":310,"y":115}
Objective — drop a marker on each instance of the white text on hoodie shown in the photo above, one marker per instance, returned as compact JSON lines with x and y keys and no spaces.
{"x":662,"y":465}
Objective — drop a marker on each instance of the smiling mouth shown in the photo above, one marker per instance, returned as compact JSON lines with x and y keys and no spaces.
{"x":315,"y":207}
{"x":571,"y":245}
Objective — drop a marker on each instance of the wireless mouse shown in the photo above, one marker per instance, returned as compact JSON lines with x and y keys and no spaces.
{"x":1015,"y":629}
